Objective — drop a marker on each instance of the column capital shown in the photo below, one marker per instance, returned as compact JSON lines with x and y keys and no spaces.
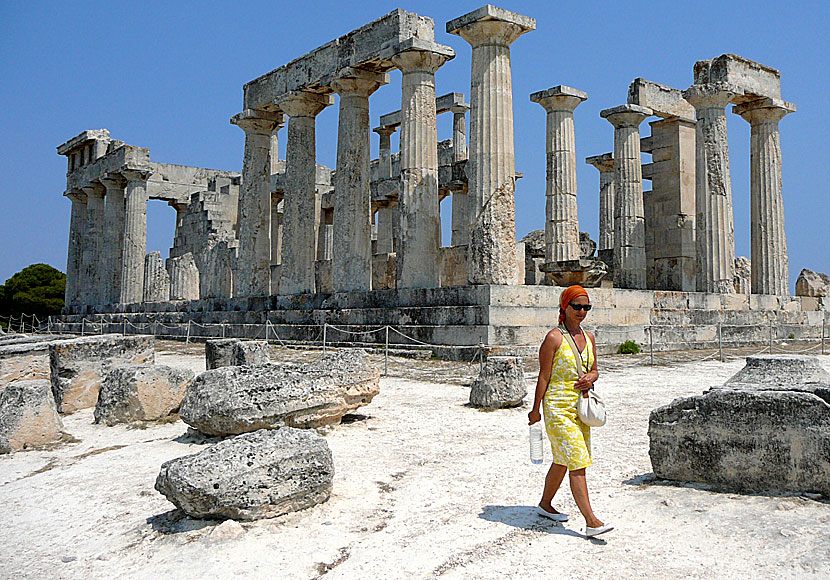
{"x":385,"y":130}
{"x":258,"y":121}
{"x":112,"y":181}
{"x":75,"y":195}
{"x":460,"y":109}
{"x":358,"y":82}
{"x":418,"y":55}
{"x":136,"y":174}
{"x":94,"y":190}
{"x":559,"y":98}
{"x":626,"y":115}
{"x":304,"y":103}
{"x":603,"y":163}
{"x":711,"y":95}
{"x":491,"y":25}
{"x":764,"y":110}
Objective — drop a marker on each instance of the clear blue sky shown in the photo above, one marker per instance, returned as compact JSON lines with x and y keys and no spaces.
{"x":169,"y":75}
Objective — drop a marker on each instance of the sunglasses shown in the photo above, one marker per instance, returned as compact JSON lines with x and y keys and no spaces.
{"x":578,"y":307}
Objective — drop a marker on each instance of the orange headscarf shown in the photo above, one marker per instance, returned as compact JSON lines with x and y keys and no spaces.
{"x":568,"y":294}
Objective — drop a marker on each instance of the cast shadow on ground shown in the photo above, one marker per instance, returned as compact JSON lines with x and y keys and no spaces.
{"x":526,"y":518}
{"x":649,"y":479}
{"x":177,"y":522}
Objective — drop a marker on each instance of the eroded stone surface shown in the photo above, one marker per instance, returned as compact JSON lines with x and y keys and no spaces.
{"x":219,"y":352}
{"x":141,"y":393}
{"x":811,"y":283}
{"x":250,"y":352}
{"x":778,"y":372}
{"x":500,"y":383}
{"x":28,"y":416}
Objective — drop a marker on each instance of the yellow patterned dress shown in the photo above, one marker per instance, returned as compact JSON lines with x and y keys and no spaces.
{"x":570,"y":438}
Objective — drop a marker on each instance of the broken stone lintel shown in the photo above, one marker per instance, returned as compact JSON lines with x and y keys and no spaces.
{"x":490,"y":12}
{"x":664,"y":101}
{"x":443,"y":104}
{"x":753,"y":79}
{"x":82,"y":139}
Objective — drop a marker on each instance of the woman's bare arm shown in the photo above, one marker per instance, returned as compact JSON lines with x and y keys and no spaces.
{"x":550,"y":345}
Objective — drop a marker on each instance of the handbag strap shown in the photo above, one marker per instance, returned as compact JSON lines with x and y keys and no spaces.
{"x":577,"y":356}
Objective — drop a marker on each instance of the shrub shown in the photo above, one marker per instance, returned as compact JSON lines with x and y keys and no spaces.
{"x":629,"y":347}
{"x":791,"y":335}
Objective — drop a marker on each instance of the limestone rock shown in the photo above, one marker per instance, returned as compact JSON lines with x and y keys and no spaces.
{"x":780,"y":372}
{"x":239,"y":399}
{"x":587,"y":246}
{"x":250,"y":352}
{"x":813,"y":284}
{"x":79,"y":366}
{"x":219,"y":352}
{"x":156,"y":279}
{"x":749,"y":441}
{"x":500,"y":383}
{"x":257,"y":475}
{"x":141,"y":393}
{"x":28,"y":416}
{"x":535,"y":244}
{"x":743,"y":275}
{"x":184,"y":277}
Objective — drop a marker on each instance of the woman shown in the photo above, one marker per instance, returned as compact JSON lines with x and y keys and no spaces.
{"x":559,"y":386}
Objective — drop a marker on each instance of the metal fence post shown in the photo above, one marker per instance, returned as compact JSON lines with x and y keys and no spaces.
{"x":651,"y":345}
{"x":124,"y":330}
{"x":223,"y":330}
{"x":770,"y":336}
{"x":83,"y":326}
{"x":480,"y":357}
{"x":386,"y":354}
{"x":187,"y":340}
{"x":49,"y":325}
{"x":720,"y":342}
{"x":822,"y":335}
{"x":325,"y":324}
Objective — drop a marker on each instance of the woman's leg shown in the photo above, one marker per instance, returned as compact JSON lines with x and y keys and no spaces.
{"x":579,"y":489}
{"x":553,"y":479}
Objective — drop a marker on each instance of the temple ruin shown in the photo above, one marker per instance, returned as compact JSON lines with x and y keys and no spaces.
{"x":296,"y":243}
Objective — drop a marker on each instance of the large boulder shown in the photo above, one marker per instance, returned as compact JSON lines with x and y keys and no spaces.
{"x":79,"y":366}
{"x":250,"y":352}
{"x":28,"y":416}
{"x":219,"y":352}
{"x":141,"y":393}
{"x":499,"y":384}
{"x":239,"y":399}
{"x":263,"y":474}
{"x":813,"y":284}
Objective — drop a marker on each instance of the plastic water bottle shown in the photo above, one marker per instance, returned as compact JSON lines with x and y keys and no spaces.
{"x":537,"y":440}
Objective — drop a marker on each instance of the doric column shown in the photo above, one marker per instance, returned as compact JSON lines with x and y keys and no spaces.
{"x":715,"y":235}
{"x":460,"y":199}
{"x":113,"y":248}
{"x":605,"y":165}
{"x":351,"y":265}
{"x":561,"y":221}
{"x":459,"y":132}
{"x":74,"y":256}
{"x":276,"y":232}
{"x":385,"y":151}
{"x":491,"y":167}
{"x":135,"y":236}
{"x":418,"y":210}
{"x":629,"y":213}
{"x":156,"y":279}
{"x":92,"y":293}
{"x":770,"y":263}
{"x":386,"y":220}
{"x":253,"y":275}
{"x":299,"y":204}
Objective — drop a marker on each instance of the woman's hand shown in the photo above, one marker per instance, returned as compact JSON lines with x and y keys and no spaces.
{"x":584,"y":382}
{"x":534,"y":417}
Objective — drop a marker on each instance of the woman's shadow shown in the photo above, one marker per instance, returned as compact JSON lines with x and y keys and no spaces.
{"x":526,"y":518}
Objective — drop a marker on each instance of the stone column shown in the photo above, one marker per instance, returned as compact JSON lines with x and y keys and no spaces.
{"x":715,"y":235}
{"x":92,"y":291}
{"x":770,"y":263}
{"x":253,"y":276}
{"x":385,"y":151}
{"x":135,"y":236}
{"x":156,"y":279}
{"x":459,"y":132}
{"x":386,"y":220}
{"x":299,"y":202}
{"x":605,"y":165}
{"x":460,"y":199}
{"x":74,"y":257}
{"x":629,"y":213}
{"x":561,"y":221}
{"x":418,"y":210}
{"x":184,"y":277}
{"x":491,"y":167}
{"x":113,"y":248}
{"x":276,"y":230}
{"x":351,"y":267}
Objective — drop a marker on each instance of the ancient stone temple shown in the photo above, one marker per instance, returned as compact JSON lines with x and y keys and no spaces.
{"x":296,"y":244}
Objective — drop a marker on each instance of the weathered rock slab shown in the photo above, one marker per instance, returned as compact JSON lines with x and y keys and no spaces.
{"x":263,"y":474}
{"x":238,"y":399}
{"x":778,"y":372}
{"x":141,"y":393}
{"x":813,"y":284}
{"x":250,"y":352}
{"x":499,"y":384}
{"x":219,"y":352}
{"x":28,"y":416}
{"x":79,"y":366}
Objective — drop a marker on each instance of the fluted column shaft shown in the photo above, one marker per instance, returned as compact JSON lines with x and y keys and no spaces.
{"x":605,"y":165}
{"x":385,"y":151}
{"x":92,"y":293}
{"x":418,"y":206}
{"x":74,"y":256}
{"x":715,"y":236}
{"x":459,"y":133}
{"x":113,"y":248}
{"x":253,"y":275}
{"x":770,"y":262}
{"x":135,"y":236}
{"x":299,"y":229}
{"x":351,"y":268}
{"x":629,"y":211}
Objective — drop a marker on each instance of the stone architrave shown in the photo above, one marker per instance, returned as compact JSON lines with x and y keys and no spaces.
{"x":491,"y":166}
{"x":605,"y":165}
{"x":93,"y":245}
{"x":418,"y":209}
{"x":184,"y":277}
{"x":629,"y":212}
{"x":74,"y":261}
{"x":113,"y":248}
{"x":156,"y":279}
{"x":715,"y":235}
{"x":770,"y":263}
{"x":351,"y":265}
{"x":253,"y":277}
{"x":135,"y":236}
{"x":299,"y":221}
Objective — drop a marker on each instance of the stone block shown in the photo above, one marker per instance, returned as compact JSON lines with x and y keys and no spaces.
{"x":250,"y":353}
{"x":813,"y":284}
{"x":383,"y":271}
{"x":79,"y":366}
{"x":780,"y":372}
{"x":534,"y":244}
{"x":219,"y":352}
{"x":499,"y":384}
{"x":322,"y":276}
{"x":24,"y":362}
{"x":257,"y":475}
{"x":141,"y":393}
{"x":490,"y":12}
{"x":453,"y":266}
{"x":663,"y":100}
{"x":233,"y":400}
{"x":28,"y":416}
{"x":753,"y":79}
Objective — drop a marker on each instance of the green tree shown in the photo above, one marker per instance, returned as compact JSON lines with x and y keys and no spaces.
{"x":37,"y":289}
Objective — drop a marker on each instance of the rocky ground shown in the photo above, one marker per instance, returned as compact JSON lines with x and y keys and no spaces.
{"x":425,"y":486}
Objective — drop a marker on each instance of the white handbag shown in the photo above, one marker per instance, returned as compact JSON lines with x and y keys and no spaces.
{"x":590,"y":407}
